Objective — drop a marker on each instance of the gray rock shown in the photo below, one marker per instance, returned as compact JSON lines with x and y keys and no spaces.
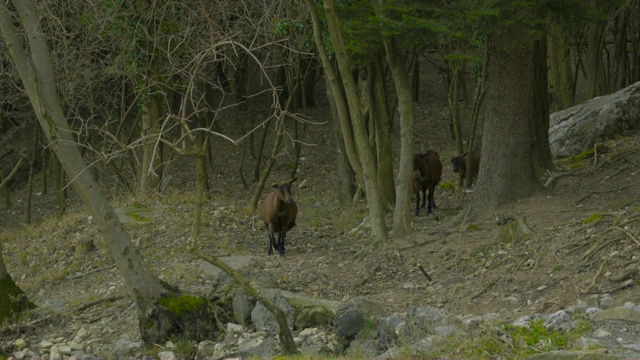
{"x":365,"y":349}
{"x":315,"y":351}
{"x":576,"y":129}
{"x":601,"y":333}
{"x":124,"y":347}
{"x":388,"y":331}
{"x":205,"y":349}
{"x":167,"y":355}
{"x":89,"y":357}
{"x":81,"y":335}
{"x":20,"y":344}
{"x":314,"y":316}
{"x":584,"y":343}
{"x":618,"y":314}
{"x":261,"y":348}
{"x":352,"y":316}
{"x":475,"y":320}
{"x":559,"y":320}
{"x":19,"y":355}
{"x":45,"y":345}
{"x":264,"y":320}
{"x":242,"y":305}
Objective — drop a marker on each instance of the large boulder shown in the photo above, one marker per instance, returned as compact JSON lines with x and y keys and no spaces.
{"x":576,"y":129}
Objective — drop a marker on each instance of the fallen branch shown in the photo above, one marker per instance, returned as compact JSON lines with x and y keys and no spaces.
{"x":628,"y":234}
{"x":284,"y":334}
{"x":424,"y":273}
{"x":556,"y":176}
{"x":601,"y":192}
{"x":626,"y":273}
{"x":622,"y":169}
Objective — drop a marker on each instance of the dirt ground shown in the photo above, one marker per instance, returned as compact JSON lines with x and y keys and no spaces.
{"x":585,"y":233}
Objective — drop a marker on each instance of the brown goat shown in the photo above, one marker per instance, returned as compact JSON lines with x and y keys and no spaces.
{"x":459,"y":164}
{"x":427,"y":170}
{"x":278,"y":211}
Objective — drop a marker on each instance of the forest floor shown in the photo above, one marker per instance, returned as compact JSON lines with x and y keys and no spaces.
{"x":585,"y":233}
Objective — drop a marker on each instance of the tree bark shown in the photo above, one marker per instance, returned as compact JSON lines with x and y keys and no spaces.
{"x":402,"y":212}
{"x":365,"y":155}
{"x":384,"y":148}
{"x":510,"y":148}
{"x":157,"y":320}
{"x":560,"y":82}
{"x":13,"y":300}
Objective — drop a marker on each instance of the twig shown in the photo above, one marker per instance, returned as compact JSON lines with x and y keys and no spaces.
{"x":629,"y":234}
{"x":624,"y":285}
{"x":626,"y":273}
{"x":601,"y":192}
{"x":598,"y":274}
{"x":554,"y":177}
{"x":485,"y":288}
{"x":92,"y":271}
{"x":424,"y":273}
{"x":624,"y":168}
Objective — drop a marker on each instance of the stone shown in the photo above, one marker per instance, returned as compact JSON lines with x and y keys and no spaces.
{"x":617,"y":314}
{"x":314,"y":316}
{"x":124,"y":347}
{"x":166,"y":355}
{"x":20,"y":344}
{"x":44,"y":345}
{"x":242,"y":305}
{"x":81,"y":335}
{"x":388,"y":331}
{"x":352,"y":316}
{"x":364,"y":349}
{"x":19,"y":355}
{"x":576,"y":129}
{"x":584,"y":343}
{"x":260,"y":348}
{"x":601,"y":333}
{"x":264,"y":320}
{"x":205,"y":349}
{"x":559,"y":320}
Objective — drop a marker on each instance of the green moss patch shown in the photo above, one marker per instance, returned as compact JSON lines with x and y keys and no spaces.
{"x":182,"y":304}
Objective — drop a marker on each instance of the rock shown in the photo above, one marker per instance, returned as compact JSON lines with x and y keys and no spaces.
{"x":473,"y":320}
{"x":264,"y":320}
{"x":242,"y":305}
{"x":584,"y":343}
{"x":601,"y":333}
{"x":352,"y":315}
{"x":224,"y":350}
{"x":559,"y":320}
{"x":166,"y":355}
{"x":64,"y":349}
{"x":19,"y":355}
{"x":260,"y":348}
{"x":53,"y":306}
{"x":235,"y":328}
{"x":364,"y":349}
{"x":388,"y":331}
{"x":81,"y":335}
{"x":618,"y":314}
{"x":314,"y":316}
{"x":45,"y":345}
{"x":205,"y":349}
{"x":20,"y":344}
{"x":427,"y":320}
{"x":170,"y":345}
{"x":315,"y":351}
{"x":576,"y":129}
{"x":124,"y":347}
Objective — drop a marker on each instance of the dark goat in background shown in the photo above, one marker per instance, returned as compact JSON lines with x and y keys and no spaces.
{"x":278,"y":211}
{"x":427,"y":170}
{"x":459,"y":164}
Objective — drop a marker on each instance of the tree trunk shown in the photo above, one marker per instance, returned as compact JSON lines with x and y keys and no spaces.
{"x":560,"y":82}
{"x":333,"y":80}
{"x":402,"y":212}
{"x":365,"y":155}
{"x":594,"y":49}
{"x":156,"y":301}
{"x":510,"y":150}
{"x":345,"y":179}
{"x":541,"y":107}
{"x":384,"y":148}
{"x":152,"y":147}
{"x":13,"y":300}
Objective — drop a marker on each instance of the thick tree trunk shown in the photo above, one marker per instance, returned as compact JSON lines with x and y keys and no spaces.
{"x":384,"y":148}
{"x":541,"y":112}
{"x":365,"y":155}
{"x":560,"y":81}
{"x":13,"y":301}
{"x":158,"y":318}
{"x":510,"y":150}
{"x":594,"y":48}
{"x":402,"y":213}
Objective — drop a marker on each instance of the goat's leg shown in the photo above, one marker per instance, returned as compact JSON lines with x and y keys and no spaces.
{"x":417,"y":203}
{"x":424,"y":197}
{"x":272,"y":240}
{"x":282,"y":237}
{"x":432,"y":202}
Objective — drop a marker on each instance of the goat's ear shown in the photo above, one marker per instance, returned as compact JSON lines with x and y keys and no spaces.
{"x":275,"y":185}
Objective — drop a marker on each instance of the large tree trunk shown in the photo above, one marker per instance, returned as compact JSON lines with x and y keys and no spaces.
{"x":510,"y":150}
{"x":365,"y":155}
{"x":384,"y":151}
{"x":13,"y":301}
{"x":402,"y":213}
{"x":154,"y":299}
{"x":560,"y":82}
{"x":152,"y":147}
{"x":595,"y":40}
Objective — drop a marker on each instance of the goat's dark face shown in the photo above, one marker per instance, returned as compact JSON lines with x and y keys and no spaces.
{"x":419,"y":161}
{"x":284,"y":192}
{"x":457,"y":162}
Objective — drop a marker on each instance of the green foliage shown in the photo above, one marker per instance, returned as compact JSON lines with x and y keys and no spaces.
{"x":536,"y":338}
{"x":447,"y":186}
{"x":369,"y":331}
{"x":472,"y":227}
{"x":182,"y":304}
{"x":593,"y":218}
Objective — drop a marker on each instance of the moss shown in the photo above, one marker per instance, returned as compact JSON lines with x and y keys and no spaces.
{"x":138,"y":217}
{"x":593,"y":218}
{"x":182,"y":304}
{"x":447,"y":186}
{"x":472,"y":227}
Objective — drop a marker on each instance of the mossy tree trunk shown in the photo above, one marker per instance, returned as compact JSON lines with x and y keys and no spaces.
{"x":157,"y":321}
{"x":13,"y":300}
